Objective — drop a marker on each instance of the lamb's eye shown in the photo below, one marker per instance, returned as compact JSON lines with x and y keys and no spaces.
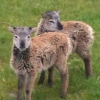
{"x":28,"y":37}
{"x":51,"y":21}
{"x":16,"y":36}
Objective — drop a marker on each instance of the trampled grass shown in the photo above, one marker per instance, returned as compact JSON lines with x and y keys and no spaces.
{"x":28,"y":13}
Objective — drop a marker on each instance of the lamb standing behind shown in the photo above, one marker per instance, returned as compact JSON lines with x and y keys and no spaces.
{"x":39,"y":53}
{"x":80,"y":33}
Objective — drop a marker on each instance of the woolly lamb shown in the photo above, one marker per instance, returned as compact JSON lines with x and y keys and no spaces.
{"x":80,"y":33}
{"x":39,"y":53}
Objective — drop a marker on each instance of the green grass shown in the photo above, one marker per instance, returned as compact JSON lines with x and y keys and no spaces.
{"x":28,"y":13}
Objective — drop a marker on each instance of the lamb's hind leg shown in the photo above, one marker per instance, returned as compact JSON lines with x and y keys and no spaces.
{"x":88,"y":66}
{"x":64,"y":76}
{"x":86,"y":56}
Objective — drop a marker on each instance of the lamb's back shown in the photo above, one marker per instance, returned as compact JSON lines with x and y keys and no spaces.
{"x":80,"y":30}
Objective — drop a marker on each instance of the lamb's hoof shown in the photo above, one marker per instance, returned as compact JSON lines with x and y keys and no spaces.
{"x":62,"y":96}
{"x":88,"y":76}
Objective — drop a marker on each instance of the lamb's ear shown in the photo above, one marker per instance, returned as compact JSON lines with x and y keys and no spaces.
{"x":33,"y":30}
{"x":12,"y":29}
{"x":43,"y":15}
{"x":58,"y":11}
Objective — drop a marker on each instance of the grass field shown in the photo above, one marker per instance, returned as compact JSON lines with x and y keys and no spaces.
{"x":28,"y":13}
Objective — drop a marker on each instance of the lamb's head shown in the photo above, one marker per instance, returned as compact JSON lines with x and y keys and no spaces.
{"x":51,"y":21}
{"x":21,"y":37}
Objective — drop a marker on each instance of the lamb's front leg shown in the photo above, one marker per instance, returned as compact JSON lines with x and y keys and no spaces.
{"x":50,"y":76}
{"x":29,"y":84}
{"x":21,"y":83}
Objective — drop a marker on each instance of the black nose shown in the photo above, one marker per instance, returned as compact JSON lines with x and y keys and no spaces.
{"x":60,"y":26}
{"x":22,"y":44}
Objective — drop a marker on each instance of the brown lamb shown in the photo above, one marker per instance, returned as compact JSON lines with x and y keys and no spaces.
{"x":80,"y":33}
{"x":31,"y":55}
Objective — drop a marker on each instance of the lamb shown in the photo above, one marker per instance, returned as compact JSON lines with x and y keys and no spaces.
{"x":80,"y":33}
{"x":31,"y":55}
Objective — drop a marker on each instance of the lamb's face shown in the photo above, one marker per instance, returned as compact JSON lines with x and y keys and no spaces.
{"x":21,"y":37}
{"x":52,"y":21}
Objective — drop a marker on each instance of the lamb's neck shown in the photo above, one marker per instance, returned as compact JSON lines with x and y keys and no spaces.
{"x":41,"y":28}
{"x":20,"y":54}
